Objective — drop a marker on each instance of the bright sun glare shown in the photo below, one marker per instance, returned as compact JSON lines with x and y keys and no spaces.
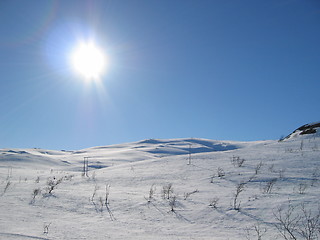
{"x":88,"y":60}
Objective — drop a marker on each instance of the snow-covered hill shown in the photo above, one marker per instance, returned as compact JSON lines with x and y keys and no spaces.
{"x":310,"y":129}
{"x":160,"y":189}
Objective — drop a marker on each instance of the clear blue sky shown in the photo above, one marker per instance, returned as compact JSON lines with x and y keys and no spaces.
{"x":217,"y":69}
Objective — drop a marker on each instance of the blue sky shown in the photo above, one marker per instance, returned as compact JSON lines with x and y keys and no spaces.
{"x":226,"y":70}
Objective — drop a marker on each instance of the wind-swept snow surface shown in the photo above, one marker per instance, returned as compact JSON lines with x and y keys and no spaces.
{"x":158,"y":189}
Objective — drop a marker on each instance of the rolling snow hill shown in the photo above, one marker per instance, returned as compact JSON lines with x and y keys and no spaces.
{"x":161,"y":189}
{"x":307,"y":129}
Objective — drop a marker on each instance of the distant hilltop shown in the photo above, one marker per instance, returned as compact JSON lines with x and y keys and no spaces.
{"x":307,"y":129}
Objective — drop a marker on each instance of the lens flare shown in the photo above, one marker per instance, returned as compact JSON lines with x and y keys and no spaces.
{"x":88,"y":60}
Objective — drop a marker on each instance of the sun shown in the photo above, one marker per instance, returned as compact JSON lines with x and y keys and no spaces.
{"x":88,"y":60}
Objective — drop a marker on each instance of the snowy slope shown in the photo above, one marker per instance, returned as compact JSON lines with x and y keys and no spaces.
{"x":307,"y":130}
{"x":203,"y":175}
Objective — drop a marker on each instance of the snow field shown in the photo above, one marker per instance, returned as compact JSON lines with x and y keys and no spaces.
{"x":272,"y":174}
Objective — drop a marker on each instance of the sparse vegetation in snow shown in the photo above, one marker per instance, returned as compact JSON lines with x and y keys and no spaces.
{"x":153,"y":188}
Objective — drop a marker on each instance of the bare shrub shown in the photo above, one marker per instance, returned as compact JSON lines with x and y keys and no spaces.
{"x":258,"y":232}
{"x":167,"y":191}
{"x":287,"y":222}
{"x":151,"y":193}
{"x":52,"y":184}
{"x":6,"y":187}
{"x":68,"y":177}
{"x":256,"y":171}
{"x":302,"y":223}
{"x":93,"y":196}
{"x":220,"y":172}
{"x":106,"y":202}
{"x":186,"y":195}
{"x":237,"y":161}
{"x":269,"y":186}
{"x":236,"y":202}
{"x":310,"y":223}
{"x":302,"y":188}
{"x":172,"y":203}
{"x":35,"y":193}
{"x":258,"y":167}
{"x":102,"y":201}
{"x":9,"y":175}
{"x":46,"y":228}
{"x":214,"y":202}
{"x":99,"y":203}
{"x":37,"y":180}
